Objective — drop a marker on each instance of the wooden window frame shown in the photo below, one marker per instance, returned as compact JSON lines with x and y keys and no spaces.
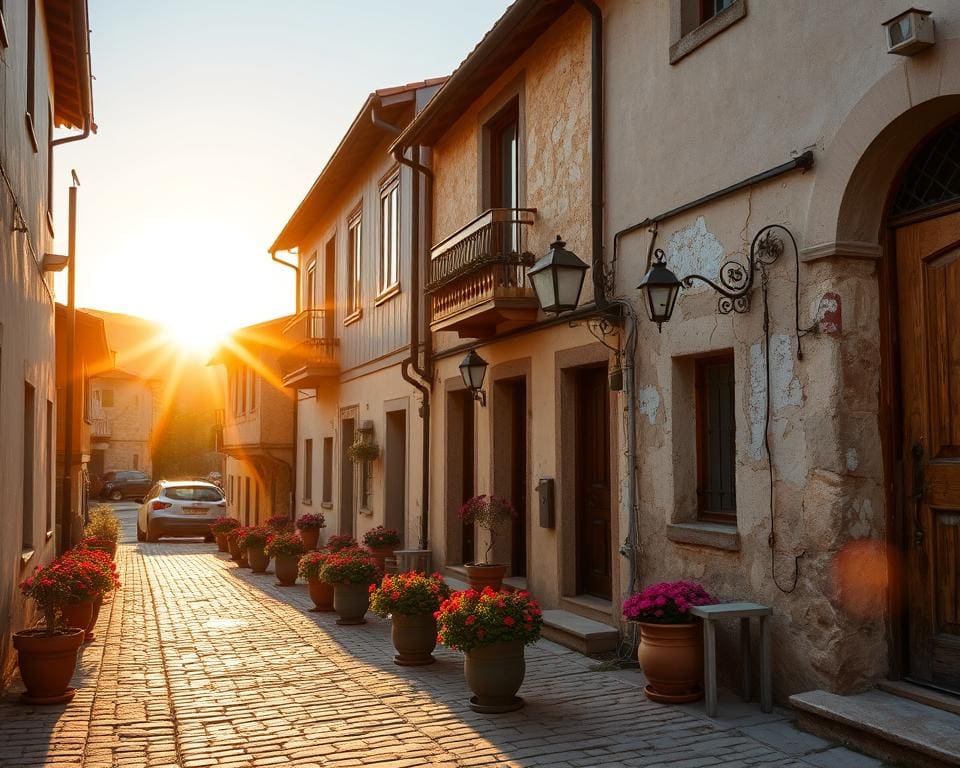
{"x":326,"y":491}
{"x":32,"y":73}
{"x":4,"y":39}
{"x":389,"y":273}
{"x":354,"y":295}
{"x":307,"y":471}
{"x":310,"y":286}
{"x":691,"y":27}
{"x":507,"y":115}
{"x":702,"y":417}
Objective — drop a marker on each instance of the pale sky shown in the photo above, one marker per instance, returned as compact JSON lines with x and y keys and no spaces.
{"x":215,"y":116}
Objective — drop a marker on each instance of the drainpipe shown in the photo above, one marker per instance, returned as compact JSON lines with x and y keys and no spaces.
{"x":67,"y":535}
{"x":296,"y":270}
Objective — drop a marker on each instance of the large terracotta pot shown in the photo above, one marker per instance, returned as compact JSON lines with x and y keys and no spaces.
{"x":286,"y":569}
{"x":351,"y":601}
{"x":414,"y":637}
{"x":310,"y":538}
{"x":482,"y":575}
{"x":97,"y":605}
{"x":495,"y":673}
{"x":322,"y":595}
{"x":258,"y":559}
{"x":78,"y":615}
{"x":233,"y":547}
{"x":671,"y":657}
{"x":47,"y":663}
{"x":221,"y":539}
{"x":380,"y":554}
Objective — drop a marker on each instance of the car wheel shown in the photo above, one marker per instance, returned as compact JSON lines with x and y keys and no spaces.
{"x":141,"y":536}
{"x":116,"y":496}
{"x":153,"y":535}
{"x":208,"y":538}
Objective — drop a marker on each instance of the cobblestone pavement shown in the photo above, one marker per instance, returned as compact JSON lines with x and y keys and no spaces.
{"x":197,"y":663}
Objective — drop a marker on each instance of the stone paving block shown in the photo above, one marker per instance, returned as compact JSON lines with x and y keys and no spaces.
{"x":841,"y":757}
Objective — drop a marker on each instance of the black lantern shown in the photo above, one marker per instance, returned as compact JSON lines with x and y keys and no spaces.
{"x":473,"y":369}
{"x":659,"y":288}
{"x":558,"y":278}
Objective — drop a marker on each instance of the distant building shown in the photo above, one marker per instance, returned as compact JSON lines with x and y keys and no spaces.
{"x":126,"y":406}
{"x":257,"y":431}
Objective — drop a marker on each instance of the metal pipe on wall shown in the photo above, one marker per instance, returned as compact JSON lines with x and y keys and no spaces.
{"x":67,"y":535}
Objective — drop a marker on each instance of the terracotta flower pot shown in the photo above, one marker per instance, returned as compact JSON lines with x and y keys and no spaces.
{"x":380,"y":554}
{"x":233,"y":547}
{"x":97,"y":605}
{"x":351,"y":601}
{"x":482,"y":575}
{"x":322,"y":595}
{"x":414,"y":637}
{"x":495,"y":673}
{"x":47,"y":663}
{"x":258,"y":559}
{"x":310,"y":538}
{"x":671,"y":656}
{"x":77,"y":615}
{"x":286,"y":568}
{"x":221,"y":539}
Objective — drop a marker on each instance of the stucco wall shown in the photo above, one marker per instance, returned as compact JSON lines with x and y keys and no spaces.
{"x":131,"y":421}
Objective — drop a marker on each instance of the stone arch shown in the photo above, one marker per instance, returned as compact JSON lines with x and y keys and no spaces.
{"x":855,"y":174}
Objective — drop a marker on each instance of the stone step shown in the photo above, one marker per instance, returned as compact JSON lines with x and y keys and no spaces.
{"x":928,"y":696}
{"x":883,"y":725}
{"x":456,"y":584}
{"x":579,"y":633}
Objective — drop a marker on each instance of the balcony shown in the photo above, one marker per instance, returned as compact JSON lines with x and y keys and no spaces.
{"x":101,"y":428}
{"x":478,"y":276}
{"x":314,"y":360}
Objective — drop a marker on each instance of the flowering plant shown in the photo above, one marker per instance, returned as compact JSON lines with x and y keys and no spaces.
{"x":360,"y":451}
{"x":75,"y":577}
{"x":381,"y":537}
{"x":349,"y":566}
{"x":254,"y":536}
{"x":490,"y":513}
{"x":280,"y":523}
{"x":666,"y":603}
{"x":341,"y":541}
{"x":223,"y":525}
{"x":103,"y":524}
{"x":94,"y":567}
{"x":285,"y":545}
{"x":311,"y":522}
{"x":408,"y":594}
{"x":471,"y":619}
{"x":96,"y":542}
{"x":311,"y":564}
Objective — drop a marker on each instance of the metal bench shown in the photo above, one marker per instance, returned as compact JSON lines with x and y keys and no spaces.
{"x":744,"y":612}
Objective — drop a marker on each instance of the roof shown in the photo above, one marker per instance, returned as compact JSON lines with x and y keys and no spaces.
{"x":355,"y":148}
{"x":122,"y":373}
{"x":519,"y":27}
{"x":68,"y":30}
{"x":267,"y":334}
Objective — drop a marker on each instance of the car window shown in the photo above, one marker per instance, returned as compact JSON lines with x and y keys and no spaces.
{"x":194,"y":493}
{"x":154,"y":492}
{"x":138,"y":476}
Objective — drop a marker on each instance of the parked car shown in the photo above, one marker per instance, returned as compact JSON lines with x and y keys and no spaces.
{"x":180,"y":508}
{"x":125,"y":484}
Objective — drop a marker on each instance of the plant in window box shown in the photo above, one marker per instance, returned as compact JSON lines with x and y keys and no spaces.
{"x":362,"y":450}
{"x":311,"y":564}
{"x":671,"y":639}
{"x":286,"y":549}
{"x":309,"y":526}
{"x":382,"y":543}
{"x":491,"y":628}
{"x":411,"y":599}
{"x":351,"y":571}
{"x":253,"y":542}
{"x":341,"y":541}
{"x":492,"y":514}
{"x":220,"y":528}
{"x":280,"y":524}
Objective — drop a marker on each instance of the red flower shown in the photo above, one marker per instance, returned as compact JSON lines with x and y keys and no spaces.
{"x":509,"y":621}
{"x":470,"y":619}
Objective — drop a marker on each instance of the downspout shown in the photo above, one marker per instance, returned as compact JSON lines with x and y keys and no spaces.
{"x":296,"y":395}
{"x":296,"y":270}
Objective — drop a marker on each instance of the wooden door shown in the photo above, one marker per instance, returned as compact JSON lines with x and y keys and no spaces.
{"x":928,"y":279}
{"x":593,"y":483}
{"x":347,"y":478}
{"x":467,"y":530}
{"x":518,"y":476}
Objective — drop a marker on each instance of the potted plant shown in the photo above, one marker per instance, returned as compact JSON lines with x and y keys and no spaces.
{"x":311,"y":564}
{"x":280,"y":524}
{"x":237,"y":553}
{"x":104,"y":527}
{"x":411,"y":599}
{"x":309,"y":526}
{"x":351,"y":572}
{"x":362,"y":450}
{"x":671,"y":639}
{"x":47,"y":656}
{"x":341,"y":541}
{"x":491,"y":513}
{"x":286,"y":549}
{"x":254,"y":542}
{"x":382,"y":542}
{"x":491,"y":628}
{"x":95,"y":573}
{"x":220,"y":528}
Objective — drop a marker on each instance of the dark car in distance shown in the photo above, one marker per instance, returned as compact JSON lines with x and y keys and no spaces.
{"x":125,"y":484}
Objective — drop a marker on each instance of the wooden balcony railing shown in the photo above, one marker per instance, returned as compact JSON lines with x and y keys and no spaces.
{"x":315,"y":358}
{"x":478,"y":276}
{"x":101,"y":428}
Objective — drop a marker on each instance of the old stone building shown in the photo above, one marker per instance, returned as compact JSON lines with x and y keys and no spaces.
{"x":131,"y":406}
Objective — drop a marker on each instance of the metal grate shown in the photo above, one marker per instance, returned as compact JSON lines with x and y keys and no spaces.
{"x":933,"y":177}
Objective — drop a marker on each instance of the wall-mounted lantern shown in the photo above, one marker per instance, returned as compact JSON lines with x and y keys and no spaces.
{"x":473,"y":369}
{"x":909,"y":32}
{"x":659,"y":288}
{"x":558,"y":278}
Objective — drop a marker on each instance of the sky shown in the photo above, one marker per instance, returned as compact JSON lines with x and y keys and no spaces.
{"x":214,"y":117}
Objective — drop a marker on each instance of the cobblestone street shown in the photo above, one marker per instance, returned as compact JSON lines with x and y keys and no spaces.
{"x":198,"y":663}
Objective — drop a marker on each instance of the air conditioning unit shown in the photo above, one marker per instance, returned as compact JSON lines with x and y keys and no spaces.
{"x":909,"y":32}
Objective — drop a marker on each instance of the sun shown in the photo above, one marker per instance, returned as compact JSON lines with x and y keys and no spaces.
{"x":196,"y":333}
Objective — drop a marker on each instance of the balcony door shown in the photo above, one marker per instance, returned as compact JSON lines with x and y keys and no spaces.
{"x":503,"y":172}
{"x":329,"y":287}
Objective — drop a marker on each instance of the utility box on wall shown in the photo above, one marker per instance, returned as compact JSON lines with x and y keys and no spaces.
{"x":545,"y":494}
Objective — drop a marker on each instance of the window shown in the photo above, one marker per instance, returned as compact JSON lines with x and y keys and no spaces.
{"x":246,"y":500}
{"x":353,"y":267}
{"x":193,"y":493}
{"x":503,"y":172}
{"x":29,"y":440}
{"x":32,"y":71}
{"x":710,"y":8}
{"x":716,"y":439}
{"x":694,"y":22}
{"x":51,"y":463}
{"x":136,"y":461}
{"x":252,"y":386}
{"x":50,"y":166}
{"x":230,"y":494}
{"x":242,"y":386}
{"x":366,"y":486}
{"x":390,"y":235}
{"x":106,"y":398}
{"x":310,"y":290}
{"x":327,"y":496}
{"x":3,"y":28}
{"x":308,"y":470}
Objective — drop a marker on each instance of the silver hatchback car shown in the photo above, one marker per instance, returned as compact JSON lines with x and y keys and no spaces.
{"x":180,"y":508}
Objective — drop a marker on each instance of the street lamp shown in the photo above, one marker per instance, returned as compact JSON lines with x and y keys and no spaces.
{"x":558,"y":278}
{"x":659,"y":288}
{"x":473,"y":368}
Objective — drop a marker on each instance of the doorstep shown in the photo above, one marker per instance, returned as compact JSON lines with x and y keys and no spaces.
{"x":884,"y":725}
{"x":578,"y":632}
